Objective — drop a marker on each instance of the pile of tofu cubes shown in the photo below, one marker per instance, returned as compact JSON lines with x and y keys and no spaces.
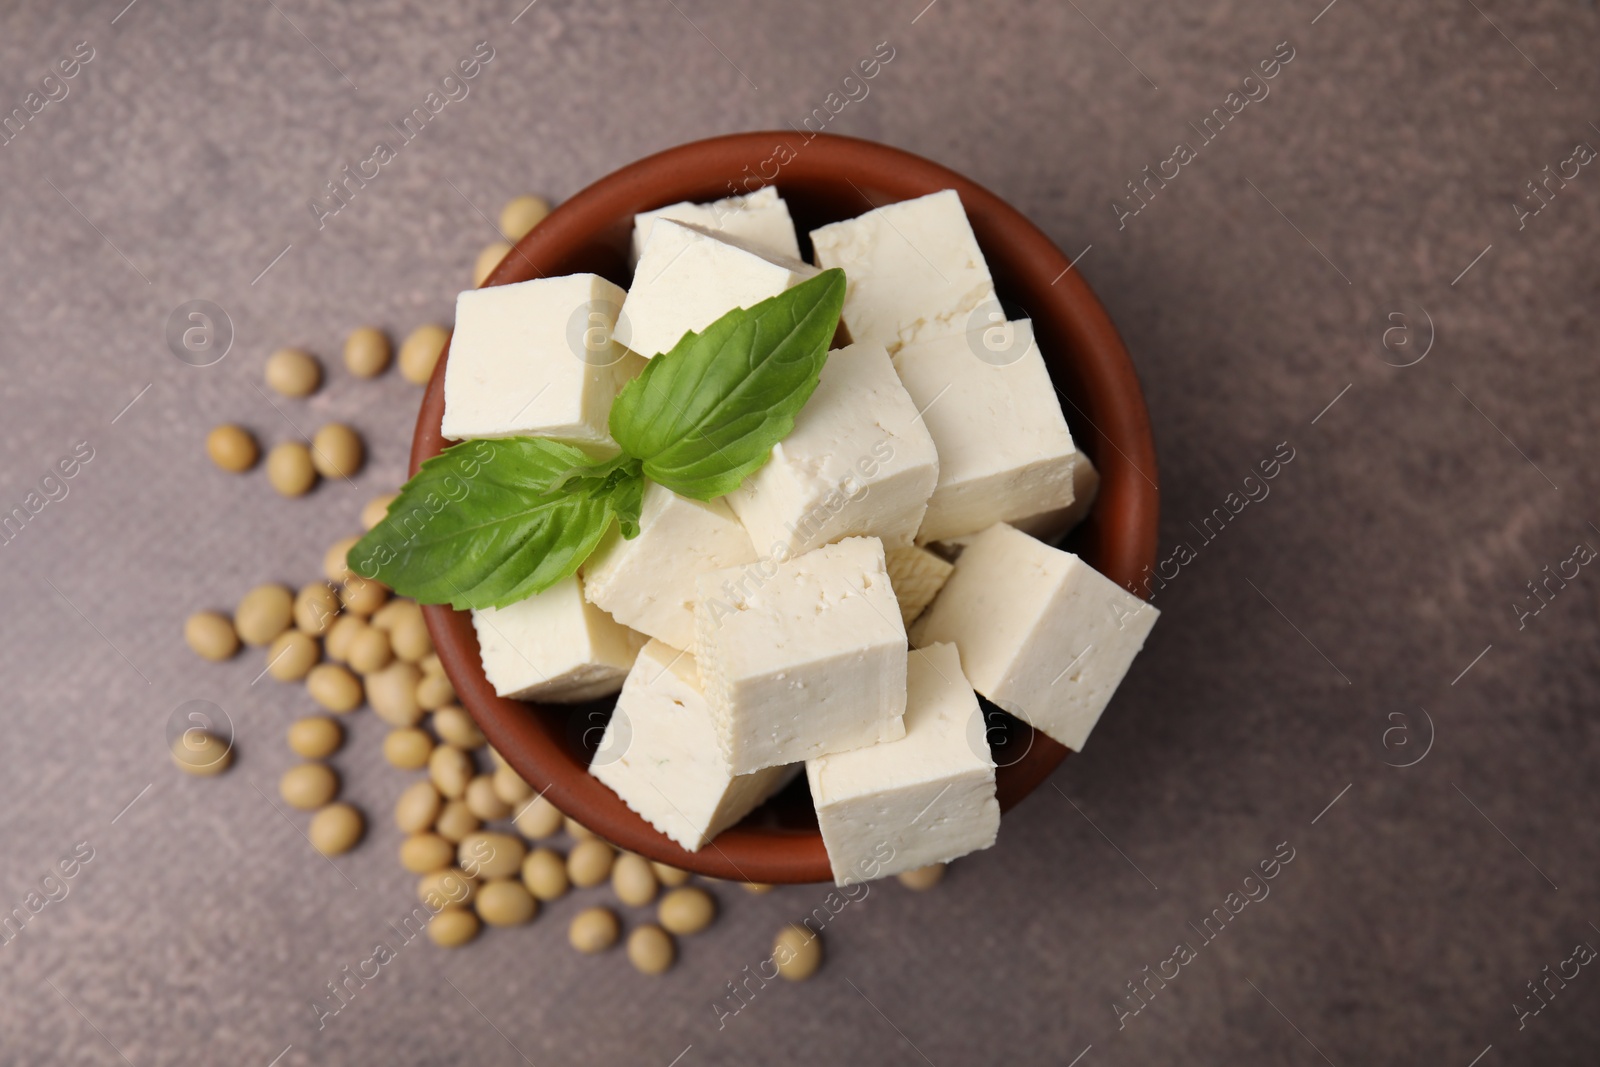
{"x":812,"y":617}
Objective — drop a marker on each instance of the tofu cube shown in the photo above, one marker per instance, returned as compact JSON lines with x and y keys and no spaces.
{"x":759,"y":219}
{"x":1005,"y":452}
{"x":537,"y":359}
{"x":802,"y":658}
{"x":660,"y":754}
{"x":1047,"y":526}
{"x":1041,"y":633}
{"x":689,"y":278}
{"x":927,"y":797}
{"x":912,"y":269}
{"x":917,"y":576}
{"x":554,"y":646}
{"x":859,"y":462}
{"x":648,"y":583}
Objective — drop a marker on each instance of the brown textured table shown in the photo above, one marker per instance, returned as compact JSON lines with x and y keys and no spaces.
{"x":1361,"y":612}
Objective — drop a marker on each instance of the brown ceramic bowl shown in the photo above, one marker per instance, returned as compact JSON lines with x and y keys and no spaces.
{"x":824,"y":179}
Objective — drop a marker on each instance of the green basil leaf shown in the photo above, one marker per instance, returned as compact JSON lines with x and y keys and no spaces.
{"x":705,"y":415}
{"x":487,"y":523}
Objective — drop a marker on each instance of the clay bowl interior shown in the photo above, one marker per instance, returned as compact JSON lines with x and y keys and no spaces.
{"x":825,"y":179}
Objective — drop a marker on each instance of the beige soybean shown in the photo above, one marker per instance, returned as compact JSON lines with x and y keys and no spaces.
{"x":210,"y":635}
{"x":308,"y":786}
{"x":202,"y":754}
{"x":430,"y":664}
{"x":483,"y":801}
{"x":375,"y":509}
{"x":341,"y":634}
{"x":336,"y":829}
{"x":408,"y":748}
{"x":440,"y":889}
{"x":385,"y":617}
{"x":453,"y":927}
{"x":539,"y":819}
{"x":337,"y":451}
{"x":418,"y":807}
{"x":410,"y":637}
{"x":509,"y":786}
{"x":370,"y":653}
{"x":494,"y":753}
{"x":922,"y":878}
{"x":669,"y":876}
{"x":363,"y":596}
{"x":264,"y":613}
{"x":454,"y":726}
{"x":487,"y":261}
{"x":392,"y":692}
{"x":290,"y":470}
{"x":434,"y":690}
{"x":686,"y":910}
{"x":451,"y":769}
{"x":756,"y":888}
{"x":489,"y":854}
{"x":455,"y":821}
{"x":420,"y":353}
{"x":333,"y":560}
{"x":521,"y":214}
{"x":366,"y":352}
{"x":589,"y":862}
{"x":334,"y":687}
{"x":506,"y":902}
{"x":576,"y":830}
{"x":315,"y":608}
{"x":233,"y":448}
{"x":424,"y":852}
{"x":797,"y":952}
{"x":633,"y":881}
{"x":594,"y":930}
{"x":650,"y":949}
{"x":293,"y":372}
{"x":315,"y":737}
{"x":292,"y":655}
{"x":544,"y":872}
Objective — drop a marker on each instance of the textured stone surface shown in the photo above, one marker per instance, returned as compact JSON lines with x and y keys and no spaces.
{"x":1387,"y":556}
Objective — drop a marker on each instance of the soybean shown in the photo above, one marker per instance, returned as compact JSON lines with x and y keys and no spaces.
{"x":521,"y":214}
{"x":425,"y":852}
{"x":233,"y":448}
{"x":539,"y":819}
{"x":334,"y":566}
{"x":506,"y":902}
{"x":593,"y":930}
{"x":315,"y":608}
{"x":491,"y":855}
{"x":392,"y":692}
{"x":650,"y":949}
{"x":334,"y":687}
{"x":509,"y":786}
{"x":797,"y":952}
{"x":487,"y":261}
{"x":375,"y":509}
{"x":290,"y":469}
{"x":264,"y":613}
{"x":686,"y":910}
{"x":410,"y":637}
{"x":292,"y":656}
{"x":576,"y":830}
{"x":417,"y":807}
{"x":544,"y":872}
{"x":308,"y":786}
{"x":366,"y":352}
{"x":632,"y":880}
{"x":315,"y":737}
{"x":337,"y":641}
{"x":293,"y":372}
{"x":922,"y":878}
{"x":439,"y":889}
{"x":210,"y":635}
{"x":337,"y":451}
{"x":455,"y":821}
{"x":434,"y":690}
{"x":451,"y":770}
{"x":336,"y":829}
{"x":369,"y":652}
{"x":483,"y":801}
{"x":362,"y":595}
{"x":408,"y":748}
{"x":420,"y":353}
{"x":457,"y":728}
{"x":589,"y":863}
{"x":453,"y":927}
{"x":668,"y":875}
{"x":201,"y":753}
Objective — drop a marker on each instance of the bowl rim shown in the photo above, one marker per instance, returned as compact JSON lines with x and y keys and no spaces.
{"x":1098,"y":365}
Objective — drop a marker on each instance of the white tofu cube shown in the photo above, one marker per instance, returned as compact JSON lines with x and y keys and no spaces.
{"x":759,"y":219}
{"x":859,"y":462}
{"x":537,"y":359}
{"x":660,"y":754}
{"x":648,"y":583}
{"x":554,"y":646}
{"x":802,"y":658}
{"x":1004,"y":448}
{"x":689,"y":278}
{"x":912,"y":269}
{"x":925,"y":798}
{"x":1047,"y":526}
{"x":917,"y":576}
{"x":1041,"y":633}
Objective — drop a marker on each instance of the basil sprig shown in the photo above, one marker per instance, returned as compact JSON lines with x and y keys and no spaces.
{"x":490,"y":522}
